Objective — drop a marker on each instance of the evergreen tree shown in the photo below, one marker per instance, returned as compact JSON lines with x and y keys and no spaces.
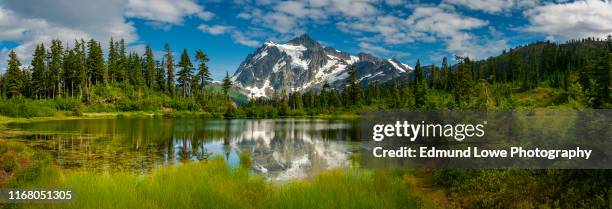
{"x":446,"y":74}
{"x":394,"y":92}
{"x":295,"y":101}
{"x":324,"y":95}
{"x":81,"y":70}
{"x":227,"y":85}
{"x":55,"y":68}
{"x":136,"y":73}
{"x":435,"y":77}
{"x":13,"y":81}
{"x":95,"y":63}
{"x":149,"y":72}
{"x":203,"y":74}
{"x":600,"y":73}
{"x":70,"y":75}
{"x":462,"y":89}
{"x":170,"y":69}
{"x":353,"y":88}
{"x":480,"y":74}
{"x":284,"y":106}
{"x":113,"y":61}
{"x":38,"y":72}
{"x":160,"y":76}
{"x":185,"y":74}
{"x":334,"y":98}
{"x":420,"y":87}
{"x":122,"y":65}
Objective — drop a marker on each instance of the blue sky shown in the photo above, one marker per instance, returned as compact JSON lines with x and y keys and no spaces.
{"x":229,"y":30}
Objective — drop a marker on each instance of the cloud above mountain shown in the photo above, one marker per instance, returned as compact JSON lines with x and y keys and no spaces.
{"x":66,"y":20}
{"x":166,"y":11}
{"x":590,"y":18}
{"x":411,"y":29}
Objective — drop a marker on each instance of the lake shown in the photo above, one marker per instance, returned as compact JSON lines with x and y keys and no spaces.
{"x":280,"y":149}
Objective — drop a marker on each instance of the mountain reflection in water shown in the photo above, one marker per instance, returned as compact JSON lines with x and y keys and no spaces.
{"x":281,"y":149}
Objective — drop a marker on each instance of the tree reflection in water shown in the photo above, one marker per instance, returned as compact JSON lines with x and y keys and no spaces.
{"x":280,"y":149}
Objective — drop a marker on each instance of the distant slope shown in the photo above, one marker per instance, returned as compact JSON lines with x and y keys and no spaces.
{"x":303,"y":64}
{"x":235,"y":94}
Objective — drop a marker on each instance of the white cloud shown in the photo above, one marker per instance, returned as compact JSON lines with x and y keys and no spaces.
{"x":166,"y":11}
{"x":479,"y":47}
{"x":589,"y":18}
{"x":374,"y":49}
{"x":394,"y":2}
{"x":215,"y":29}
{"x":238,"y":36}
{"x":453,"y":29}
{"x":380,"y":30}
{"x":243,"y":39}
{"x":291,"y":17}
{"x":428,"y":24}
{"x":30,"y":22}
{"x":29,"y":25}
{"x":442,"y":23}
{"x":492,"y":6}
{"x":300,"y":10}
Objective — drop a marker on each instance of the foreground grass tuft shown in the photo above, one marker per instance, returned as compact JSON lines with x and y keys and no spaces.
{"x":212,"y":184}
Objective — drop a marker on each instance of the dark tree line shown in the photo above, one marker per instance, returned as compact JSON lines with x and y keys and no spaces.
{"x":577,"y":68}
{"x":71,"y":71}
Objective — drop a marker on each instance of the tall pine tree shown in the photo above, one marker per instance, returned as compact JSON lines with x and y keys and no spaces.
{"x":185,"y":73}
{"x":203,"y":74}
{"x":600,"y":73}
{"x":55,"y":68}
{"x":170,"y":69}
{"x":149,"y":65}
{"x":227,"y":85}
{"x":95,"y":62}
{"x":122,"y":65}
{"x":353,"y":88}
{"x":38,"y":72}
{"x":462,"y":89}
{"x":113,"y":61}
{"x":160,"y":76}
{"x":13,"y":81}
{"x":420,"y":86}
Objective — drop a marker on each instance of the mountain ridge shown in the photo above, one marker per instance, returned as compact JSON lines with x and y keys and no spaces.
{"x":304,"y":64}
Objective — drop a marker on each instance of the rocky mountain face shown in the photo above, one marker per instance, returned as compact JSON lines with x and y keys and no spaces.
{"x":304,"y":64}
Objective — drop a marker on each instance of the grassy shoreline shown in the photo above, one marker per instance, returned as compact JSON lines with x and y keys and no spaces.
{"x":109,"y":115}
{"x":206,"y":184}
{"x":213,"y":184}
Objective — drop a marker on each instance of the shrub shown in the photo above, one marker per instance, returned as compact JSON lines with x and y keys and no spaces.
{"x":180,"y":103}
{"x":68,"y":104}
{"x":27,"y":108}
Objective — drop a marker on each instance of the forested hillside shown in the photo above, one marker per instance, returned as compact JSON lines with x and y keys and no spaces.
{"x":575,"y":74}
{"x":78,"y":77}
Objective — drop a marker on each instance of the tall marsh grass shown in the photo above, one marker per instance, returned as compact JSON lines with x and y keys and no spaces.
{"x":212,"y":184}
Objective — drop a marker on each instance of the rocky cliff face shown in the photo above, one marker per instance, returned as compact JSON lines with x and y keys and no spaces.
{"x":304,"y":64}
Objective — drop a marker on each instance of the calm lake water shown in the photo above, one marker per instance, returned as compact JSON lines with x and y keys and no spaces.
{"x":281,"y":149}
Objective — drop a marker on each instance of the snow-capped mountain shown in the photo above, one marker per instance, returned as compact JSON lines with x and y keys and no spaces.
{"x":304,"y":64}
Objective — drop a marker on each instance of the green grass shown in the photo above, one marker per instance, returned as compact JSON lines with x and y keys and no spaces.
{"x":212,"y":184}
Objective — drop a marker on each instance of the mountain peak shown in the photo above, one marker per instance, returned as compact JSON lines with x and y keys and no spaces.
{"x":303,"y":64}
{"x":305,"y":40}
